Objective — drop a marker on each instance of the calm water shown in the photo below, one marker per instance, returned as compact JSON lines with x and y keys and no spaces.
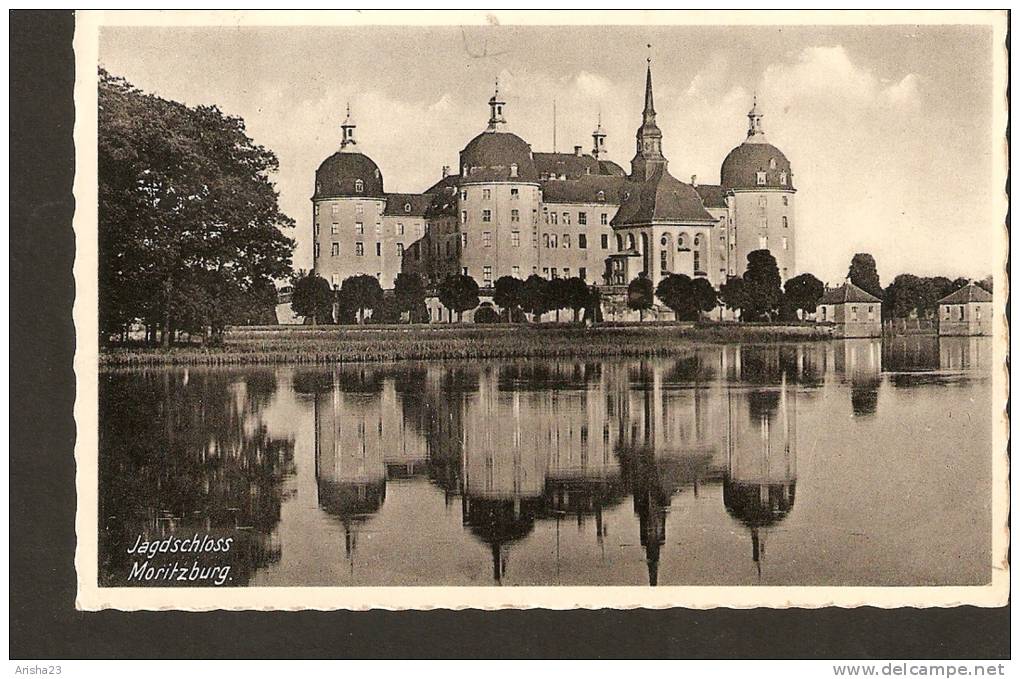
{"x":849,"y":463}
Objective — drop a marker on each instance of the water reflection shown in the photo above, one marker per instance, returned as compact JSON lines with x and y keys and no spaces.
{"x":635,"y":455}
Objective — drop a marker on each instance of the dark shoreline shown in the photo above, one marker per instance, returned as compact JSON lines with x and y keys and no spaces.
{"x":269,"y":345}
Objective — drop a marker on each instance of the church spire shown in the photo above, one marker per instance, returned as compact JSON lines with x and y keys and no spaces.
{"x":599,"y":137}
{"x":648,"y":158}
{"x":347,"y":128}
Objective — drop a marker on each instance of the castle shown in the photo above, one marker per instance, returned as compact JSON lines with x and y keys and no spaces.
{"x":509,"y":211}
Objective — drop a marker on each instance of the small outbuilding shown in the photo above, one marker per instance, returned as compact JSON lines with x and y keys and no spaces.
{"x":968,"y":311}
{"x":853,"y":311}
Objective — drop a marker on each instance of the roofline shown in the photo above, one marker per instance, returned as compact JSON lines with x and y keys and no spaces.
{"x":379,"y":198}
{"x":469,"y":183}
{"x":688,"y":222}
{"x":759,"y":189}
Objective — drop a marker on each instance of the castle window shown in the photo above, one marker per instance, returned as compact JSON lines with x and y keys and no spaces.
{"x":359,"y":228}
{"x":400,"y":249}
{"x":359,"y":209}
{"x":566,"y":217}
{"x":378,"y":249}
{"x":334,"y":250}
{"x":786,"y":201}
{"x":486,"y":194}
{"x":761,"y":179}
{"x":334,"y":209}
{"x":334,"y":228}
{"x":463,"y":217}
{"x":335,"y":280}
{"x":407,"y":207}
{"x":582,"y":218}
{"x":463,"y":194}
{"x":786,"y":243}
{"x":853,"y":313}
{"x":316,"y":209}
{"x":515,"y":239}
{"x":697,"y":262}
{"x":604,"y":219}
{"x":463,"y":240}
{"x":359,"y":186}
{"x":600,"y":196}
{"x":871,"y":312}
{"x":582,"y":241}
{"x":487,"y":276}
{"x":515,"y":194}
{"x":786,"y":222}
{"x":515,"y":215}
{"x":486,"y":215}
{"x":566,"y":272}
{"x":553,"y":218}
{"x":359,"y":249}
{"x":680,"y":241}
{"x":763,"y":201}
{"x":763,"y":243}
{"x":582,"y":273}
{"x":824,"y":312}
{"x":513,"y":170}
{"x":553,"y":242}
{"x":515,"y":271}
{"x":316,"y":229}
{"x":662,"y":261}
{"x":782,"y":178}
{"x":400,"y":229}
{"x":316,"y":252}
{"x":697,"y":240}
{"x":545,"y":239}
{"x":378,"y":229}
{"x":772,"y":163}
{"x":663,"y":241}
{"x":487,"y":239}
{"x":566,"y":240}
{"x":605,"y":241}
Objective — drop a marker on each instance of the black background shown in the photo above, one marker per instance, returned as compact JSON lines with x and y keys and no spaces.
{"x":43,"y":622}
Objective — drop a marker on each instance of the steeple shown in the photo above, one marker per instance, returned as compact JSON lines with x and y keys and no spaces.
{"x":649,"y":156}
{"x":347,"y":127}
{"x":755,"y":133}
{"x":599,"y":137}
{"x":496,"y":104}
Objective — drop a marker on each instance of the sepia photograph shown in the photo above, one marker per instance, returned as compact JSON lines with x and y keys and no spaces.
{"x":556,"y":310}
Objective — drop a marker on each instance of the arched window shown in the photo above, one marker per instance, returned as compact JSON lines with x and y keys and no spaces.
{"x":359,"y":185}
{"x":630,"y":241}
{"x":407,"y":207}
{"x":680,"y":242}
{"x":601,"y":196}
{"x":697,"y":240}
{"x":772,"y":163}
{"x":663,"y":241}
{"x":513,"y":169}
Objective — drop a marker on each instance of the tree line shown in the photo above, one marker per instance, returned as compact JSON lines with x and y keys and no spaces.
{"x":190,"y":232}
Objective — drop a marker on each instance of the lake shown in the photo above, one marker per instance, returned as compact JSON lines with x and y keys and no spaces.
{"x":858,"y":462}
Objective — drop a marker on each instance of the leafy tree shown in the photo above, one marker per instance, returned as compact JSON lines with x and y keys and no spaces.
{"x":575,"y":295}
{"x":508,"y":295}
{"x":312,"y":298}
{"x":459,"y":293}
{"x":676,"y":291}
{"x":362,"y":293}
{"x":409,"y":294}
{"x":387,"y":311}
{"x":640,"y":294}
{"x":762,"y":293}
{"x":986,"y":283}
{"x":732,"y":293}
{"x":556,"y":295}
{"x":705,"y":295}
{"x":802,"y":293}
{"x":864,"y":273}
{"x":535,"y":296}
{"x":189,"y":220}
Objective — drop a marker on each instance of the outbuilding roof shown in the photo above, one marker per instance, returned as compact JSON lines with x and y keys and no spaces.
{"x":969,"y":293}
{"x":848,"y":293}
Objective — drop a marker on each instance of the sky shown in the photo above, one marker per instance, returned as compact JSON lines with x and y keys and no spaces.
{"x":888,"y":129}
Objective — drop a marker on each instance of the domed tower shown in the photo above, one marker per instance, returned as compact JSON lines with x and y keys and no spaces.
{"x":759,"y":178}
{"x":498,"y":203}
{"x":347,"y":206}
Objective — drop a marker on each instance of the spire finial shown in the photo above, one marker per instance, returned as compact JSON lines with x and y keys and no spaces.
{"x":347,"y":129}
{"x":754,"y":128}
{"x":496,"y":104}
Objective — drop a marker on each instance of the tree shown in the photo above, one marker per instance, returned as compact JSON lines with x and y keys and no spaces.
{"x":459,"y":293}
{"x":986,"y":283}
{"x":640,"y":294}
{"x":556,"y":295}
{"x":864,"y":273}
{"x":362,"y":293}
{"x":312,"y":298}
{"x":409,"y":294}
{"x":676,"y":291}
{"x":706,"y":297}
{"x":575,"y":295}
{"x":535,"y":296}
{"x":762,"y":292}
{"x":802,"y":293}
{"x":189,"y":220}
{"x":732,"y":293}
{"x":909,"y":294}
{"x":508,"y":295}
{"x":486,"y":314}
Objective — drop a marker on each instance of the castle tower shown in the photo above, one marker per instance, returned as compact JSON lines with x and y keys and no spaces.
{"x":496,"y":120}
{"x":347,"y":140}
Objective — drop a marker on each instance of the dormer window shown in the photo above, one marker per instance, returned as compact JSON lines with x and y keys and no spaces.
{"x":359,"y":186}
{"x":782,"y":178}
{"x":601,"y":196}
{"x":318,"y":187}
{"x":513,"y":170}
{"x":407,"y":207}
{"x":772,"y":163}
{"x":761,"y":179}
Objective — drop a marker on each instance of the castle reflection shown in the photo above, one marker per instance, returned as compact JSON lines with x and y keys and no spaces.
{"x":525,"y":443}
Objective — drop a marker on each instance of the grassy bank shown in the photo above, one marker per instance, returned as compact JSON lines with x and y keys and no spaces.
{"x":332,"y":344}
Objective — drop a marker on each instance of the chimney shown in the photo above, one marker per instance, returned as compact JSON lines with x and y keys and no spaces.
{"x":694,"y":180}
{"x":577,"y":150}
{"x":446,"y":171}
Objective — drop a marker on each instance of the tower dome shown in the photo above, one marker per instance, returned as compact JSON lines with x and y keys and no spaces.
{"x":348,"y":173}
{"x":496,"y":155}
{"x":756,"y":163}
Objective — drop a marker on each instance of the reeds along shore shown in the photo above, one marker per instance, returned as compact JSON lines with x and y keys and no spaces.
{"x":346,"y":344}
